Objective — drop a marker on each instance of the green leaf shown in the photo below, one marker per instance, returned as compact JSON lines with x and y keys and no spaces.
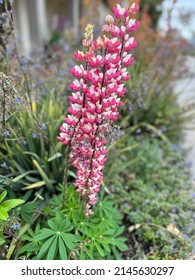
{"x":52,"y":249}
{"x":69,"y":239}
{"x":32,"y":154}
{"x":45,"y":247}
{"x":52,"y":225}
{"x":26,"y":212}
{"x":3,"y":213}
{"x":19,"y":167}
{"x":72,"y":174}
{"x":129,"y":148}
{"x":34,"y":185}
{"x":120,"y":231}
{"x":109,"y":231}
{"x":3,"y":195}
{"x":74,"y":219}
{"x":121,"y":245}
{"x":100,"y":250}
{"x":89,"y":253}
{"x":45,"y":233}
{"x":106,"y":247}
{"x":29,"y":247}
{"x":31,"y":232}
{"x":2,"y":241}
{"x":62,"y":249}
{"x":82,"y":255}
{"x":44,"y":176}
{"x":26,"y":237}
{"x":116,"y":253}
{"x":57,"y":155}
{"x":12,"y":203}
{"x":22,"y":175}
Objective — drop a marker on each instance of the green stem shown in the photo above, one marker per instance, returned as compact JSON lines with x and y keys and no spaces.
{"x":65,"y":178}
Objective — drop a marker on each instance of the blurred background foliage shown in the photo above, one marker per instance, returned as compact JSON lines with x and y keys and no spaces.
{"x":145,"y":210}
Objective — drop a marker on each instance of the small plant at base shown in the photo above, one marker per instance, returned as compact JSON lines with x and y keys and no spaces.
{"x":7,"y":205}
{"x":98,"y":88}
{"x":71,"y":235}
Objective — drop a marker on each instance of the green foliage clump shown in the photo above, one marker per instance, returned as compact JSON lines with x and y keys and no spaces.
{"x":31,"y":155}
{"x":156,"y":202}
{"x":68,"y":234}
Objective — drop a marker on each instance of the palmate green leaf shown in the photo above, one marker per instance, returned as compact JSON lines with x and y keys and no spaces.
{"x":35,"y":232}
{"x":3,"y":195}
{"x":106,"y":246}
{"x":120,"y":243}
{"x":74,"y":218}
{"x":60,"y":224}
{"x":45,"y":247}
{"x":66,"y":226}
{"x":27,"y":211}
{"x":109,"y":231}
{"x":82,"y":255}
{"x":12,"y":203}
{"x":62,"y":249}
{"x":107,"y":224}
{"x":117,"y":255}
{"x":119,"y":231}
{"x":31,"y":232}
{"x":109,"y":240}
{"x":53,"y":225}
{"x":26,"y":237}
{"x":53,"y":249}
{"x":89,"y":251}
{"x":69,"y":239}
{"x":45,"y":233}
{"x":3,"y":213}
{"x":100,"y":250}
{"x":29,"y":247}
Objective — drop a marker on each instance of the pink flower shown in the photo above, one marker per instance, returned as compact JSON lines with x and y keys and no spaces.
{"x":134,"y":8}
{"x":118,"y":11}
{"x":97,"y":90}
{"x":132,"y":25}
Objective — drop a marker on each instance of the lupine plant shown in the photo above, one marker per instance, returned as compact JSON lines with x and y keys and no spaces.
{"x":97,"y":90}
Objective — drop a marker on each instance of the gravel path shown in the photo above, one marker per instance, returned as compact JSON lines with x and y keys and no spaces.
{"x":186,"y":91}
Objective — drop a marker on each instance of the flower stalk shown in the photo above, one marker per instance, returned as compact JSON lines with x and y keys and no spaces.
{"x":97,"y":91}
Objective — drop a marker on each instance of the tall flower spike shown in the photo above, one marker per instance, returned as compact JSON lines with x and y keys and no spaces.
{"x":97,"y":90}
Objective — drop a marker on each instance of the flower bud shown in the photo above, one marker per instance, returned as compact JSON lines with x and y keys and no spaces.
{"x":109,"y":19}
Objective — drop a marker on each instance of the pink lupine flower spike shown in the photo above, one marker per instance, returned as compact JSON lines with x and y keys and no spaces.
{"x":97,"y":90}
